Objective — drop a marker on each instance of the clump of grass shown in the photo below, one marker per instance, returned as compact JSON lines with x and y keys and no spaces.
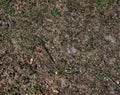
{"x":7,"y":7}
{"x":47,"y":1}
{"x":64,"y":70}
{"x":42,"y":10}
{"x":1,"y":37}
{"x":70,"y":1}
{"x":100,"y":4}
{"x":55,"y":13}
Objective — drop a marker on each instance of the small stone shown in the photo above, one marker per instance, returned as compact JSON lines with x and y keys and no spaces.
{"x":1,"y":63}
{"x":71,"y":49}
{"x":112,"y":61}
{"x":86,"y":39}
{"x":110,"y":38}
{"x":117,"y":82}
{"x":63,"y":83}
{"x":56,"y":72}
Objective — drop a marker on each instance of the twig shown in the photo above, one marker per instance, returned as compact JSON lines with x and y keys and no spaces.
{"x":110,"y":78}
{"x":43,"y":44}
{"x":47,"y":51}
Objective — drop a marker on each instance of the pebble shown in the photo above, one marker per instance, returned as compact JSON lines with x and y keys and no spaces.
{"x":110,"y":38}
{"x":111,"y":61}
{"x":71,"y":49}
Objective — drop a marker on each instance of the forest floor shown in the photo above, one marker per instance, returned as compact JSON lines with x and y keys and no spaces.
{"x":59,"y":47}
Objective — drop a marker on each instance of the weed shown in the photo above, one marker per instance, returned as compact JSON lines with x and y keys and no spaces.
{"x":55,"y":13}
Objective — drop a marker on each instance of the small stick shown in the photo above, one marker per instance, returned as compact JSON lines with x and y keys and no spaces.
{"x":47,"y":51}
{"x":43,"y":44}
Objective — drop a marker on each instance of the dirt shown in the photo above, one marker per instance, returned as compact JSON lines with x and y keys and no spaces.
{"x":60,"y":47}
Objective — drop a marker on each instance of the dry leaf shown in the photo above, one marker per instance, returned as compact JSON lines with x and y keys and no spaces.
{"x":55,"y":91}
{"x":39,"y":50}
{"x":17,"y":7}
{"x":39,"y":93}
{"x":32,"y":58}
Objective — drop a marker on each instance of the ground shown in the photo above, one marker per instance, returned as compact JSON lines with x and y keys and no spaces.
{"x":59,"y":47}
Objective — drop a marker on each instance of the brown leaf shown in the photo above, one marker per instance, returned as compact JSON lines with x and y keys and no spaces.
{"x":39,"y":50}
{"x":39,"y":93}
